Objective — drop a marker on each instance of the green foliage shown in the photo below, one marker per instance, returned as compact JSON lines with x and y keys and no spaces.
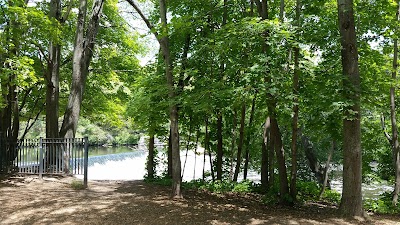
{"x":307,"y":191}
{"x":77,"y":185}
{"x":382,"y":205}
{"x":164,"y":181}
{"x":100,"y":135}
{"x":331,"y":196}
{"x":218,"y":186}
{"x":310,"y":191}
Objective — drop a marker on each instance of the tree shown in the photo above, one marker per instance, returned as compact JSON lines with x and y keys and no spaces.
{"x":293,"y":173}
{"x":395,"y":138}
{"x":163,"y":40}
{"x":351,"y":203}
{"x":53,"y":69}
{"x":82,"y":56}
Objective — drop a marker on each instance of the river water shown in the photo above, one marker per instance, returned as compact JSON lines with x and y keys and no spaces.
{"x":129,"y":163}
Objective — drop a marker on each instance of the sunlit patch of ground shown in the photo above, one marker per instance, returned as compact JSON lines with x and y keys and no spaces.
{"x":28,"y":200}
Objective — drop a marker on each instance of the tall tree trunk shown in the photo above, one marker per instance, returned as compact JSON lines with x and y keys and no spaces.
{"x":173,"y":111}
{"x":395,"y":138}
{"x":233,"y":144}
{"x":83,"y":53}
{"x":241,"y":140}
{"x":276,"y":137}
{"x":247,"y":145}
{"x":351,"y":203}
{"x":53,"y":73}
{"x":150,"y":157}
{"x":220,"y":151}
{"x":264,"y":156}
{"x":293,"y":174}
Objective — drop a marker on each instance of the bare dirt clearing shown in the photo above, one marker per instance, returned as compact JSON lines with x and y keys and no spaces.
{"x":29,"y":200}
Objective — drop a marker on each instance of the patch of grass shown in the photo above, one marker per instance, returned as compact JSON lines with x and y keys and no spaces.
{"x":77,"y":185}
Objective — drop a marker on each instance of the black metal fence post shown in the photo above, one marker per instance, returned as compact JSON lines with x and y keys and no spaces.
{"x":41,"y":158}
{"x":85,"y":162}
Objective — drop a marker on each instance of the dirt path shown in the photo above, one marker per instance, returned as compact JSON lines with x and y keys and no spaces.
{"x":53,"y":201}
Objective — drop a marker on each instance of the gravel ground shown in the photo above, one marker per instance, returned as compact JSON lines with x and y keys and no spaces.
{"x":28,"y":200}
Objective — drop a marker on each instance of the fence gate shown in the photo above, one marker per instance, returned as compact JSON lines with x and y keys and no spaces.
{"x":45,"y":156}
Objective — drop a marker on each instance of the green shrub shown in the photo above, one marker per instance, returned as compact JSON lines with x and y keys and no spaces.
{"x":307,"y":191}
{"x":331,"y":196}
{"x":245,"y":186}
{"x":382,"y":205}
{"x":77,"y":185}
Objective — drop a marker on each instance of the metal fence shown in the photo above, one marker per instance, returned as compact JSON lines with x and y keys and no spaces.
{"x":45,"y":156}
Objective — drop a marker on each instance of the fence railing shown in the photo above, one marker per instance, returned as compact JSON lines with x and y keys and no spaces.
{"x":45,"y":156}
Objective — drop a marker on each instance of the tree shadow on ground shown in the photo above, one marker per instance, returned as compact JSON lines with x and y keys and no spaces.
{"x":136,"y":202}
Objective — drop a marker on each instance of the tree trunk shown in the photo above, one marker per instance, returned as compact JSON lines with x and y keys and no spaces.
{"x":240,"y":144}
{"x":271,"y":158}
{"x":351,"y":203}
{"x":293,"y":174}
{"x":150,"y":157}
{"x":208,"y":150}
{"x":247,"y":145}
{"x":395,"y":138}
{"x":233,"y":144}
{"x":173,"y":111}
{"x":195,"y":154}
{"x":219,"y":146}
{"x":169,"y":156}
{"x":280,"y":156}
{"x":53,"y":77}
{"x":264,"y":157}
{"x":276,"y":137}
{"x":83,"y":52}
{"x":326,"y":170}
{"x":9,"y":113}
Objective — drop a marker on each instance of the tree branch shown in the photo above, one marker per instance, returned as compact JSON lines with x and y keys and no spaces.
{"x":144,"y":18}
{"x":66,"y":14}
{"x":384,"y":130}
